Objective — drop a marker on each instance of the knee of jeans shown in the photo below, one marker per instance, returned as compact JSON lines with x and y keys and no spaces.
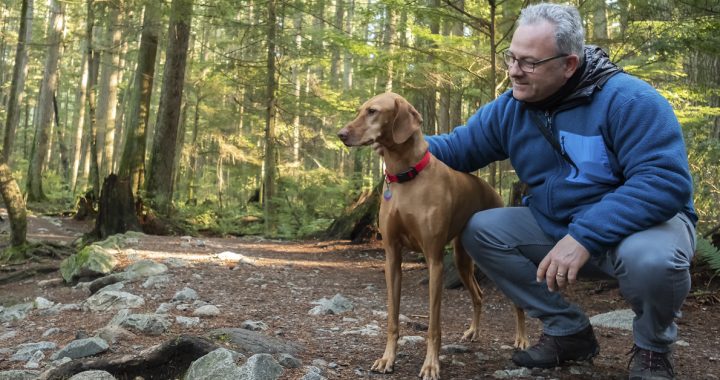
{"x":649,"y":263}
{"x":477,"y":232}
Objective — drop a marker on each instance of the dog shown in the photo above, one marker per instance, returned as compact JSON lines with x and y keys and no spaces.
{"x":423,"y":208}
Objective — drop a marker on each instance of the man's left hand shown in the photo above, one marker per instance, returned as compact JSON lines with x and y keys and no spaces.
{"x":561,"y":265}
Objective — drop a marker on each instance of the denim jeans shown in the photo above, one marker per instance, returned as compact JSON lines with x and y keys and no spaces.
{"x":651,"y":266}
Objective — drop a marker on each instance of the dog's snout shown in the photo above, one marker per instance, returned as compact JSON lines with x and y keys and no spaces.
{"x":342,"y":134}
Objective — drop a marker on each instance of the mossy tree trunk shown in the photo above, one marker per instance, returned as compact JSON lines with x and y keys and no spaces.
{"x":15,"y":205}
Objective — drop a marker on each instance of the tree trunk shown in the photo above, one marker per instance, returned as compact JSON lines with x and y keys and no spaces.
{"x":91,"y":160}
{"x":17,"y":88}
{"x":79,"y":120}
{"x":159,"y":182}
{"x":15,"y":205}
{"x":107,"y":89}
{"x":116,"y":210}
{"x":270,"y":120}
{"x":132,"y":163}
{"x":45,"y":103}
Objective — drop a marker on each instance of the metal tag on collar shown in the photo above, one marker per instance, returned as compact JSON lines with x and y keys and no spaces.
{"x":387,"y":194}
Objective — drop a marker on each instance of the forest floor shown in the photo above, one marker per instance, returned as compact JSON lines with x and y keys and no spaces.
{"x":279,"y":289}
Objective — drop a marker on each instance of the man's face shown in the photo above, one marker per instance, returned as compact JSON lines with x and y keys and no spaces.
{"x":532,"y":43}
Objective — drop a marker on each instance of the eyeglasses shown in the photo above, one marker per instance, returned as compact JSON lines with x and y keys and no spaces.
{"x":526,"y":66}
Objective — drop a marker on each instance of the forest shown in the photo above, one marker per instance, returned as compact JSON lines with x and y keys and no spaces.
{"x":221,"y":115}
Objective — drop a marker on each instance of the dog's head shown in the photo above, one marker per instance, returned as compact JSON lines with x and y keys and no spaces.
{"x":387,"y":119}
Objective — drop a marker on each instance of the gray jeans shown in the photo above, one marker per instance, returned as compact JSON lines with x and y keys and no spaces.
{"x":651,"y":266}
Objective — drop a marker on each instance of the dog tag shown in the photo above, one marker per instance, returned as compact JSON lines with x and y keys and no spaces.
{"x":387,"y":194}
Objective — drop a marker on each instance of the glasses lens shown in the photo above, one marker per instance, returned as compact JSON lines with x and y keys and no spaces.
{"x":508,"y":59}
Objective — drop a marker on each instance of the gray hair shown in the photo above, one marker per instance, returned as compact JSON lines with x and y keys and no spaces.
{"x":569,"y":31}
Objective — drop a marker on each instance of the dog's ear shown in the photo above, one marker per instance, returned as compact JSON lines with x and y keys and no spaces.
{"x":407,"y":121}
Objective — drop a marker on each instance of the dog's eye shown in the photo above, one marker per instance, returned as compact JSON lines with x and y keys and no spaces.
{"x":371,"y":111}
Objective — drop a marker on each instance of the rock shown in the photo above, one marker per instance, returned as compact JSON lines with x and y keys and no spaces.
{"x":15,"y":312}
{"x":151,"y":324}
{"x":619,"y":319}
{"x":113,"y":334}
{"x":288,"y":361}
{"x":156,"y":281}
{"x":42,"y":303}
{"x":144,"y":268}
{"x":410,"y":339}
{"x":8,"y":335}
{"x":35,"y":360}
{"x":207,"y":311}
{"x":93,"y":375}
{"x":81,"y":348}
{"x":454,"y":349}
{"x":254,"y":325}
{"x":247,"y":341}
{"x":164,"y":308}
{"x":313,"y":373}
{"x":512,"y":373}
{"x":187,"y":321}
{"x":371,"y":329}
{"x":336,"y":305}
{"x":19,"y":375}
{"x":175,"y":262}
{"x":51,"y":331}
{"x":186,"y":294}
{"x":91,"y":261}
{"x":50,"y":283}
{"x":110,"y":300}
{"x":261,"y":367}
{"x":217,"y":365}
{"x":25,"y":351}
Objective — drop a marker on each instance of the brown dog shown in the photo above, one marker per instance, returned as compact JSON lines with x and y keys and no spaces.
{"x":423,"y":209}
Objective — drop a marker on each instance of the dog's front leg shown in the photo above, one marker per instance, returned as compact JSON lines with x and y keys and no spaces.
{"x":431,"y":368}
{"x":393,"y":280}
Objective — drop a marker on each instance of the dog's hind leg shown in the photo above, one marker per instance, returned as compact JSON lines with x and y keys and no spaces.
{"x":466,"y":269}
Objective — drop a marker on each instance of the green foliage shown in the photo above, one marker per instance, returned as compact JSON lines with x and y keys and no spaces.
{"x":708,"y":254}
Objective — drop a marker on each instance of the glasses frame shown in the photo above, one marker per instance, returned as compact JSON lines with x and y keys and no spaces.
{"x":520,"y":61}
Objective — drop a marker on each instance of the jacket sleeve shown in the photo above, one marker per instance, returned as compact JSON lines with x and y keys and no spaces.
{"x":471,"y":146}
{"x":647,"y":139}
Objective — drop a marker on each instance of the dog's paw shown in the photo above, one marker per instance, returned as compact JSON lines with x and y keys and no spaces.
{"x":430,"y":370}
{"x":470,"y":335}
{"x":521,"y":342}
{"x":383,"y":365}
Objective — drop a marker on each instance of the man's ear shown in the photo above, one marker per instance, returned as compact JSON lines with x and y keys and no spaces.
{"x":407,"y":121}
{"x":572,"y":64}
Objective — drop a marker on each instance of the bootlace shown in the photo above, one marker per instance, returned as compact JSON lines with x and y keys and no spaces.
{"x":651,"y":360}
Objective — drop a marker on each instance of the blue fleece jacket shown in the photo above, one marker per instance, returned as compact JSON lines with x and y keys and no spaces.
{"x":632,"y":169}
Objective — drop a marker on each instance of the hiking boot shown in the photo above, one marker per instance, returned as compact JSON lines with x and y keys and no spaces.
{"x":552,"y":351}
{"x":650,"y":365}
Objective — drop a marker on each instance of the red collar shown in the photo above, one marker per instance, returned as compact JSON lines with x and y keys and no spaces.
{"x":410,"y":173}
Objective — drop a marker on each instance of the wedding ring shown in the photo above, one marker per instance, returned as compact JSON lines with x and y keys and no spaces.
{"x":560,"y":275}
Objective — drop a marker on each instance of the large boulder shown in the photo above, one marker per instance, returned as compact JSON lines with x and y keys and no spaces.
{"x":91,"y":261}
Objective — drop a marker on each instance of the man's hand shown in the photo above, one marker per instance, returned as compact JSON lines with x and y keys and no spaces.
{"x":561,"y":265}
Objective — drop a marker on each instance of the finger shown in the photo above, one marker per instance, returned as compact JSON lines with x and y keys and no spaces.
{"x":550,"y":277}
{"x":561,"y":278}
{"x":572,"y":275}
{"x":542,"y":269}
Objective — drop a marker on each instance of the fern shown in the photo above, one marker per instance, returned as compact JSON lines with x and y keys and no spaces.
{"x":709,"y":254}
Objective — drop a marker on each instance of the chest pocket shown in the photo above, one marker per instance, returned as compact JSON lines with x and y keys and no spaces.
{"x":591,"y":157}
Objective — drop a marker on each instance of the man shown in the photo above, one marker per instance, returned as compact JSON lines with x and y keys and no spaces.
{"x":610,"y":192}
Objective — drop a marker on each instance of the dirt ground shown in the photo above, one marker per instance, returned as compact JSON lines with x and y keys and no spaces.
{"x":289,"y":276}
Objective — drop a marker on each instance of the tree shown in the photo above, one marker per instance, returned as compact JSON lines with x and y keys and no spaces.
{"x":133,"y":153}
{"x":48,"y":87}
{"x":17,"y":88}
{"x":159,"y":186}
{"x":270,"y":124}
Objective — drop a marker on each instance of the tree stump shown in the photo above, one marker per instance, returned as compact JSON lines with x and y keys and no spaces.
{"x":359,"y":222}
{"x":116,"y":210}
{"x":86,"y":206}
{"x":166,"y":361}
